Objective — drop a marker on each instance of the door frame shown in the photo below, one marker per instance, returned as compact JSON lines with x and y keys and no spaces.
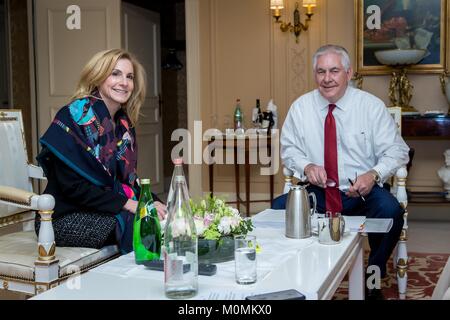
{"x":33,"y":96}
{"x":193,"y":79}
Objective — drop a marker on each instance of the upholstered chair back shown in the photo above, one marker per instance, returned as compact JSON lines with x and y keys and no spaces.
{"x":14,"y":167}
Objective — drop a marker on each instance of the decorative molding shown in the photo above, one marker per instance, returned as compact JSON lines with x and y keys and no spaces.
{"x":298,"y":69}
{"x":16,"y":218}
{"x":156,"y":137}
{"x":193,"y":75}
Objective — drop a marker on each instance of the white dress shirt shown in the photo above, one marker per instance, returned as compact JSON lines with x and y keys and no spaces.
{"x":367,"y":136}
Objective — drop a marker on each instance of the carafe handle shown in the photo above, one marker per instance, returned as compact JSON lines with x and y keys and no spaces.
{"x":313,"y":196}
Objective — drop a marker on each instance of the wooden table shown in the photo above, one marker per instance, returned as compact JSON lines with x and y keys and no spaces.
{"x":418,"y":126}
{"x":246,"y":142}
{"x":426,"y":127}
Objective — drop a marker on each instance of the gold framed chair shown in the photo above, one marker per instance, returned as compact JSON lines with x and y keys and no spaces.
{"x":31,"y":264}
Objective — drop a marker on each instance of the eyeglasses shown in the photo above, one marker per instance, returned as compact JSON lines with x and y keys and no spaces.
{"x":352,"y":182}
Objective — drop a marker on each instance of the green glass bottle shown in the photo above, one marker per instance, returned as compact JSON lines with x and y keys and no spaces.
{"x":238,"y":116}
{"x":146,"y":228}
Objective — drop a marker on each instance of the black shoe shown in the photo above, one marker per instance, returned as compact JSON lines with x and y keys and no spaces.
{"x":374,"y":294}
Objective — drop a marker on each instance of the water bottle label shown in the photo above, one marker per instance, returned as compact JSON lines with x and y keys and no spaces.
{"x":174,"y":268}
{"x":149,"y":207}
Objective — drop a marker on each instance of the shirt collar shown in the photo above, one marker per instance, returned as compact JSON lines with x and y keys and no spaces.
{"x":342,"y":103}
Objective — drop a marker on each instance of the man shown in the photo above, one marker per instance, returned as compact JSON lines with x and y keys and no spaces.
{"x":346,"y":144}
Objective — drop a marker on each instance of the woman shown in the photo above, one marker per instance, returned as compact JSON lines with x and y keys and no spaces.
{"x":89,"y":155}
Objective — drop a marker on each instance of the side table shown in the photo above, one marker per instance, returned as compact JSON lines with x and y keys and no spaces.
{"x":245,"y":142}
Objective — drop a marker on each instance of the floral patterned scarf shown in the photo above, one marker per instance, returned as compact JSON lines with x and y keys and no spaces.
{"x":83,"y":137}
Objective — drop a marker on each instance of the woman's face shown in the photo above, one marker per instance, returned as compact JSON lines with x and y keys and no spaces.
{"x":117,"y":88}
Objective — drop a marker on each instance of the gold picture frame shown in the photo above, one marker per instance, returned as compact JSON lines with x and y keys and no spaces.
{"x":417,"y":23}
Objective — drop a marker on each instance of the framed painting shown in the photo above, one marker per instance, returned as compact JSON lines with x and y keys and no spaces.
{"x":401,"y":24}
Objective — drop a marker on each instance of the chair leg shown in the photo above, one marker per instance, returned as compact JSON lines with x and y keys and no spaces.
{"x":402,"y":265}
{"x":395,"y":257}
{"x":46,"y":265}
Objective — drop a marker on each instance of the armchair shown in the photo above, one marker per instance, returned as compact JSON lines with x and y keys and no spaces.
{"x":398,"y":189}
{"x":31,"y":264}
{"x":400,"y":254}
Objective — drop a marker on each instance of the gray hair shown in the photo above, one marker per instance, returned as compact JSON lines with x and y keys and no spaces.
{"x":331,"y":48}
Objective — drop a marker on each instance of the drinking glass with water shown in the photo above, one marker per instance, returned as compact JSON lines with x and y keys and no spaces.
{"x":245,"y":258}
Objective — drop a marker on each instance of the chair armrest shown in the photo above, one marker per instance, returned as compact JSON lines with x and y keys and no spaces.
{"x":25,"y":199}
{"x":36,"y":172}
{"x":401,"y":194}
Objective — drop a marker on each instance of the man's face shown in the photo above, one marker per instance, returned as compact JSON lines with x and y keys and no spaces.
{"x":331,"y":77}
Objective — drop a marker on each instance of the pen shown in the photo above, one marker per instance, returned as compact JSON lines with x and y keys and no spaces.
{"x":351,"y":183}
{"x":361,"y":227}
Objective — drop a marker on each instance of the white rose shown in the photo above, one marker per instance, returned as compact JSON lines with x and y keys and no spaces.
{"x":235,"y":212}
{"x":225,"y":225}
{"x":199,"y":225}
{"x":235,"y":221}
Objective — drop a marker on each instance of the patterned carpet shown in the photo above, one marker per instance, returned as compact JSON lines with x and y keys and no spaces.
{"x":423,"y":273}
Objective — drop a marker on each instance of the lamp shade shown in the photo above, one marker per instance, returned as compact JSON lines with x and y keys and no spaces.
{"x":309,"y":3}
{"x":276,"y":4}
{"x":171,"y":62}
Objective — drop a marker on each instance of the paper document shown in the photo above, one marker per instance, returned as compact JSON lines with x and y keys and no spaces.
{"x":368,"y":225}
{"x":377,"y":225}
{"x":374,"y":225}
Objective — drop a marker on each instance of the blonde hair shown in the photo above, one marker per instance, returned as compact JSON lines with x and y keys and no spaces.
{"x":100,"y":67}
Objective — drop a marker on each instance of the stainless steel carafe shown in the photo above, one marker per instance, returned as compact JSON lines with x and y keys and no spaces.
{"x":298,"y":212}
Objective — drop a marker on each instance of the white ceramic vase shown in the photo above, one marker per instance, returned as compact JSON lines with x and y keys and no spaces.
{"x":444,"y":171}
{"x":447,"y":90}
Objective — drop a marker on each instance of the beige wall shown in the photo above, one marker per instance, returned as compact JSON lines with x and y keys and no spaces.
{"x":20,"y":66}
{"x":244,"y":55}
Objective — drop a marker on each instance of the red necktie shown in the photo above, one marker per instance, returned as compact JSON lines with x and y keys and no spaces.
{"x":333,"y":200}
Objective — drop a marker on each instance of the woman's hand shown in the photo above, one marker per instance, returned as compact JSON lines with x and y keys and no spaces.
{"x":161,"y":209}
{"x":131,"y":206}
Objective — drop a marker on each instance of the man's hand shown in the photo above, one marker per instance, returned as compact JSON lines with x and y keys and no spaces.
{"x":161,"y":209}
{"x":363,"y":183}
{"x":316,"y":175}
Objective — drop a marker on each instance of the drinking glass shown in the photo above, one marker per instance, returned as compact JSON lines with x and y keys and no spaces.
{"x":245,"y":258}
{"x":331,"y":228}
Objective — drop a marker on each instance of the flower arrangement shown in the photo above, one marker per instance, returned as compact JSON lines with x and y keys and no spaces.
{"x":214,"y":219}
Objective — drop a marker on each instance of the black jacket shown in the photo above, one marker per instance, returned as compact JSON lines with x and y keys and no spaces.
{"x":74,"y":193}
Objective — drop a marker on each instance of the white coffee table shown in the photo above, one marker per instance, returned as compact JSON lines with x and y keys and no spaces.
{"x":314,"y":269}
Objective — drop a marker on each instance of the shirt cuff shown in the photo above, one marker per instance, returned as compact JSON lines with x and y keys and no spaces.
{"x":299,"y":169}
{"x":383,"y":172}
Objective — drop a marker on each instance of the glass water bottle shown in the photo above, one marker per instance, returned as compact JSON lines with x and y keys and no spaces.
{"x":180,"y":246}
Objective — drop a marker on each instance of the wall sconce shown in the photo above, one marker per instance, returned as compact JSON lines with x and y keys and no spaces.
{"x":297,"y":27}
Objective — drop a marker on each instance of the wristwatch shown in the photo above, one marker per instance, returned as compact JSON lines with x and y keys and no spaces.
{"x":376,"y":176}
